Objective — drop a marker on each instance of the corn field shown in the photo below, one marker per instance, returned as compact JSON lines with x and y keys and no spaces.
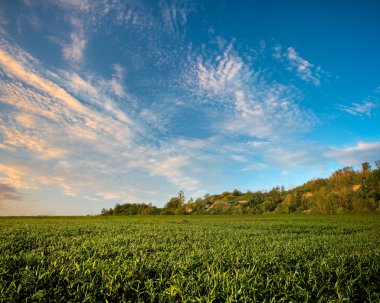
{"x":267,"y":258}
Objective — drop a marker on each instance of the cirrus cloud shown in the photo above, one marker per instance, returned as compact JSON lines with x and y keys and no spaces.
{"x":355,"y":155}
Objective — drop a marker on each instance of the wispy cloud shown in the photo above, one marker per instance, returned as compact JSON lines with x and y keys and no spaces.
{"x":304,"y":69}
{"x":15,"y":69}
{"x":175,"y":14}
{"x":74,"y":5}
{"x":18,"y":176}
{"x":223,"y":74}
{"x":175,"y":168}
{"x":42,"y":112}
{"x":145,"y":22}
{"x":355,"y":155}
{"x":8,"y":192}
{"x":62,"y":141}
{"x":8,"y":195}
{"x":15,"y":137}
{"x":73,"y":51}
{"x":359,"y":109}
{"x":255,"y":105}
{"x":102,"y":92}
{"x":3,"y":19}
{"x":270,"y":113}
{"x":156,"y":114}
{"x":116,"y":83}
{"x":77,"y":16}
{"x":266,"y":117}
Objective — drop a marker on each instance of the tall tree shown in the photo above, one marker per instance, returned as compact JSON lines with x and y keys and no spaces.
{"x":176,"y":202}
{"x":366,"y":167}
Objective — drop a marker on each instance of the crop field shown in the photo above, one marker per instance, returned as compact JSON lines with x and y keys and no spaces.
{"x":266,"y":258}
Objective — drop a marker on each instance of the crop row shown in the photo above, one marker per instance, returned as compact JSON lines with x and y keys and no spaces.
{"x":238,"y":259}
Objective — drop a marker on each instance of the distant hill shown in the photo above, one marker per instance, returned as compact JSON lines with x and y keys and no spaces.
{"x":346,"y":190}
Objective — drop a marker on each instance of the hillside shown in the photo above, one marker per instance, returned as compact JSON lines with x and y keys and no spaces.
{"x":346,"y":190}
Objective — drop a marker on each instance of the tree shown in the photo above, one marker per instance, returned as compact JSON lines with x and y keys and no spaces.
{"x":117,"y":208}
{"x":176,"y":202}
{"x":366,"y":167}
{"x":377,"y":164}
{"x":181,"y":197}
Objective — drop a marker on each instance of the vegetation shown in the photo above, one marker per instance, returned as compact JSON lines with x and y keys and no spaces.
{"x":345,"y":191}
{"x":132,"y":209}
{"x":268,"y":258}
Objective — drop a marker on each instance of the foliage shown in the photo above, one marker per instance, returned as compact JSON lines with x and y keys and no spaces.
{"x":176,"y":203}
{"x":272,"y":258}
{"x":346,"y":190}
{"x":132,"y":209}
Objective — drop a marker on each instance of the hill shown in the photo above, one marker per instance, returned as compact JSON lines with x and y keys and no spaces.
{"x":346,"y":190}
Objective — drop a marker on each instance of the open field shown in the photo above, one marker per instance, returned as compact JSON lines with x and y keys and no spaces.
{"x":299,"y":258}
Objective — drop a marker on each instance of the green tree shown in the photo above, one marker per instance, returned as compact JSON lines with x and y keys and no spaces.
{"x":366,"y":167}
{"x":377,"y":163}
{"x":177,"y":202}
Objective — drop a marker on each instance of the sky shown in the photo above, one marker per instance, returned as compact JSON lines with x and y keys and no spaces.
{"x":114,"y":101}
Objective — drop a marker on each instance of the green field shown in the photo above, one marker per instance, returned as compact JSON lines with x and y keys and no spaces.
{"x":265,"y":258}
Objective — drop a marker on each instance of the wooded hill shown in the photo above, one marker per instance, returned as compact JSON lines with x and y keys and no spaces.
{"x":346,"y":190}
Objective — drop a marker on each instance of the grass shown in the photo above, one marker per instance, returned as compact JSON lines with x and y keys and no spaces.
{"x":273,"y":258}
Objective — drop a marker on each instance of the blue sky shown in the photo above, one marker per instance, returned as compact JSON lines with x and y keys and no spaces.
{"x":132,"y":101}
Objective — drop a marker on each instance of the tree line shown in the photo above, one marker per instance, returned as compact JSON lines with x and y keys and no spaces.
{"x":346,"y":190}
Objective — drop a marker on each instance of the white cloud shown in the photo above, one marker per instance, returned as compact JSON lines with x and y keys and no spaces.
{"x":355,"y":155}
{"x":175,"y":169}
{"x":269,"y":115}
{"x":304,"y":69}
{"x":74,"y":5}
{"x":42,"y":97}
{"x":239,"y":158}
{"x":15,"y":138}
{"x":115,"y":85}
{"x":255,"y":166}
{"x":359,"y":109}
{"x":74,"y":50}
{"x":76,"y":146}
{"x":18,"y":176}
{"x":223,"y":74}
{"x":15,"y":69}
{"x":174,"y":14}
{"x":101,"y":92}
{"x":254,"y":105}
{"x":257,"y":143}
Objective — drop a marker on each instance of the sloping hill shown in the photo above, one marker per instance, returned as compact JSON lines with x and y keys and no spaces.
{"x":346,"y":190}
